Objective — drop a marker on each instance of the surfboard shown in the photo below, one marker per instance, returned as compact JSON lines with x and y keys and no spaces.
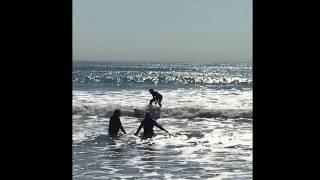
{"x":154,"y":111}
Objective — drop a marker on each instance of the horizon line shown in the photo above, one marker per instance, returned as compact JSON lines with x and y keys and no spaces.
{"x":159,"y":61}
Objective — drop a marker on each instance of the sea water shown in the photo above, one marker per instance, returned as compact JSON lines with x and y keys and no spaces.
{"x":207,"y":109}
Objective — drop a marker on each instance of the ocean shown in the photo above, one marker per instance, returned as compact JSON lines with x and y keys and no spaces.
{"x":207,"y":109}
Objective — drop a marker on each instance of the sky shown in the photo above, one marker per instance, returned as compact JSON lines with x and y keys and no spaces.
{"x":162,"y":30}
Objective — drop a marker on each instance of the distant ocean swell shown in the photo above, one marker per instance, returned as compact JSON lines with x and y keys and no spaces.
{"x":165,"y":75}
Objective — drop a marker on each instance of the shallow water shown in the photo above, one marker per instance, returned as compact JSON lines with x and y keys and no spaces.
{"x":196,"y":148}
{"x":203,"y":148}
{"x":210,"y":127}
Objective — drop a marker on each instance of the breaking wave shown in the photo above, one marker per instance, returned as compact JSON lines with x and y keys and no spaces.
{"x":178,"y":112}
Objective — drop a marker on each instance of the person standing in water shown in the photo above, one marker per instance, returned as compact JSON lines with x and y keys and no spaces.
{"x":148,"y":123}
{"x":156,"y":97}
{"x":115,"y":124}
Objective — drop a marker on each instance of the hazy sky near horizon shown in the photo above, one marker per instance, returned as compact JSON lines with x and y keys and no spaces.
{"x":163,"y":30}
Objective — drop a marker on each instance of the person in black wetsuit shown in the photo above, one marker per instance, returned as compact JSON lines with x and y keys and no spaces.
{"x":147,"y":125}
{"x":156,"y":97}
{"x":115,"y":124}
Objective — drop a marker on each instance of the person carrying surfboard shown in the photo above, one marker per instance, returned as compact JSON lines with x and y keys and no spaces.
{"x":148,"y":123}
{"x":115,"y":124}
{"x":156,"y":97}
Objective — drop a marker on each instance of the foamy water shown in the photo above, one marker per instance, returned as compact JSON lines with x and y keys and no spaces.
{"x":197,"y":146}
{"x":210,"y":134}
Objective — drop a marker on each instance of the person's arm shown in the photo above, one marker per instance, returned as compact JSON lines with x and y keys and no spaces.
{"x":152,"y":100}
{"x":122,"y":129}
{"x":110,"y":124}
{"x":160,"y":127}
{"x":138,"y":129}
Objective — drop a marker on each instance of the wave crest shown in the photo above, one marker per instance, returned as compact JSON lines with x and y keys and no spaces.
{"x":178,"y":113}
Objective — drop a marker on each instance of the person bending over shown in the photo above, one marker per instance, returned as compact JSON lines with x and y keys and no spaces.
{"x":148,"y":123}
{"x":156,"y":97}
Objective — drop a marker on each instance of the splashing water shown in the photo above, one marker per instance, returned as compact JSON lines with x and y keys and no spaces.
{"x":210,"y":127}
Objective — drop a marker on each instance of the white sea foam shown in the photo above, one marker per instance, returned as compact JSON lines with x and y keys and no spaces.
{"x":204,"y":98}
{"x":210,"y":135}
{"x":207,"y":108}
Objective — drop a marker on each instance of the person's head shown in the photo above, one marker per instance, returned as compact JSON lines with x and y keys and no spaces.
{"x":117,"y":113}
{"x":151,"y":91}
